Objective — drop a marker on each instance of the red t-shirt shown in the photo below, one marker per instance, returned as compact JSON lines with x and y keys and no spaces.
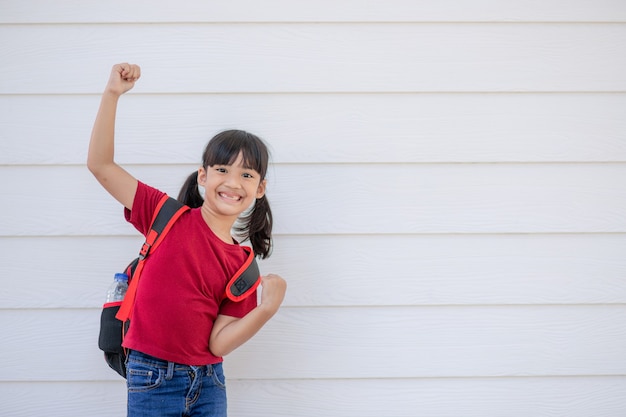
{"x":182,"y":286}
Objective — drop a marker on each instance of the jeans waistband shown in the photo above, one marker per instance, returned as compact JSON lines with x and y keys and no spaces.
{"x":137,"y":356}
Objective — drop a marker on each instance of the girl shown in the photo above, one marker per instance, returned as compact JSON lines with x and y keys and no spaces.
{"x":182,"y":323}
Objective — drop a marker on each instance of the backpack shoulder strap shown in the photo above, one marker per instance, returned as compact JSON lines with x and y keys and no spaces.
{"x":165,"y":214}
{"x":167,"y":211}
{"x":245,"y":280}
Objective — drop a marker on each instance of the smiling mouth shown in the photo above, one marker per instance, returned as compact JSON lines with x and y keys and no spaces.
{"x":230,"y":197}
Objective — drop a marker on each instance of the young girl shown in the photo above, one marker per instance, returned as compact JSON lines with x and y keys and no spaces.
{"x":182,"y":323}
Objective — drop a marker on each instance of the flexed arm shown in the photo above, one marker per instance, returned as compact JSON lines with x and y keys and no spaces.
{"x":100,"y":160}
{"x":230,"y":332}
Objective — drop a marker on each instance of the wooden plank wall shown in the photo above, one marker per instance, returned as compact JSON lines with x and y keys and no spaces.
{"x":449,"y":186}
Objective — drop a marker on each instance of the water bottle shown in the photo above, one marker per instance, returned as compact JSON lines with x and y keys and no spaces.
{"x":118,"y":288}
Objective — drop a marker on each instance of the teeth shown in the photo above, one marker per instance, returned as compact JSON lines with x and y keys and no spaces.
{"x":230,"y":197}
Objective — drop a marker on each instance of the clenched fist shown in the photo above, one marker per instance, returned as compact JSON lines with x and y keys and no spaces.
{"x":122,"y":78}
{"x":274,"y":288}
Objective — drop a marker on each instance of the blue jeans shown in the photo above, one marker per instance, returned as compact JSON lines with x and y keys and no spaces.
{"x":158,"y":388}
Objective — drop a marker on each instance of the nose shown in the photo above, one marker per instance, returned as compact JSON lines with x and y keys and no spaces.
{"x":232,"y":180}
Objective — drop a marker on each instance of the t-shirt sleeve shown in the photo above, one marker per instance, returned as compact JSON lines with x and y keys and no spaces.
{"x":144,"y":204}
{"x":240,"y":308}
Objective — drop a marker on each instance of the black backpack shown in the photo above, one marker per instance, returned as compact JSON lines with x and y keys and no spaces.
{"x":115,"y":317}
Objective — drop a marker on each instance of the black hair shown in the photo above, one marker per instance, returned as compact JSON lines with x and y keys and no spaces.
{"x":224,"y":149}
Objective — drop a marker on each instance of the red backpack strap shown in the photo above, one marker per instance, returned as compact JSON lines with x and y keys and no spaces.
{"x":245,"y":280}
{"x":167,"y":211}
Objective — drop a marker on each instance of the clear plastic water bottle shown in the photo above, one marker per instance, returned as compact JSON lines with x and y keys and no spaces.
{"x":118,"y":288}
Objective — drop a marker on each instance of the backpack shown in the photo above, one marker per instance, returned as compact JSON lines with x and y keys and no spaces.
{"x":115,"y":316}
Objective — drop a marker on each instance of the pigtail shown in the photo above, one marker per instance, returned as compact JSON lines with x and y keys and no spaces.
{"x":257,"y":227}
{"x":189,"y":193}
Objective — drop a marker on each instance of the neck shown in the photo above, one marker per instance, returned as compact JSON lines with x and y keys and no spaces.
{"x":220,"y":225}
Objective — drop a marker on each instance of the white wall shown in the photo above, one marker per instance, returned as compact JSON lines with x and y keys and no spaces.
{"x":448,"y":186}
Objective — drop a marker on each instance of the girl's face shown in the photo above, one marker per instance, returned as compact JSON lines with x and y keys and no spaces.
{"x":230,"y":189}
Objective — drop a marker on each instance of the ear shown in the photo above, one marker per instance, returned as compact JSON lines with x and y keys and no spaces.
{"x":261,"y":190}
{"x":201,"y":176}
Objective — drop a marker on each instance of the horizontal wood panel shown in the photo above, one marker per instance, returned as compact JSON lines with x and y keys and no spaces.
{"x":392,"y":342}
{"x":511,"y":397}
{"x":439,"y":341}
{"x":305,"y":128}
{"x":400,"y":57}
{"x":64,"y":399}
{"x":350,"y":199}
{"x":68,"y":11}
{"x":74,"y":272}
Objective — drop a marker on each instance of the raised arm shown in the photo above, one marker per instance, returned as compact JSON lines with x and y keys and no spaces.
{"x":230,"y":332}
{"x":100,"y":160}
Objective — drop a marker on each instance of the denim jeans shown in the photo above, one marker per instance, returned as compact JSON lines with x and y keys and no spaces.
{"x":158,"y":388}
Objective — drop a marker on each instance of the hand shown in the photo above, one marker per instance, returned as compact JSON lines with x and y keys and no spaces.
{"x":274,"y":288}
{"x":122,"y":78}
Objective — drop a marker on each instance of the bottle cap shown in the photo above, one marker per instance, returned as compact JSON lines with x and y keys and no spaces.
{"x":121,"y":277}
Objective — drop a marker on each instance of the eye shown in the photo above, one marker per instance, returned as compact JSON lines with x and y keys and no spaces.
{"x":247,"y":175}
{"x":221,"y":170}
